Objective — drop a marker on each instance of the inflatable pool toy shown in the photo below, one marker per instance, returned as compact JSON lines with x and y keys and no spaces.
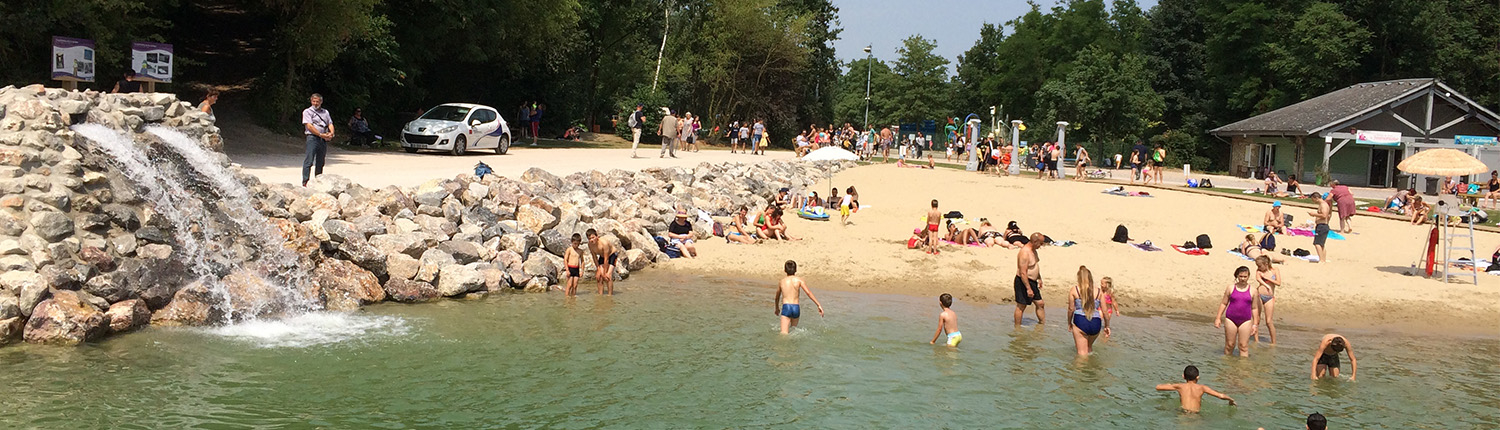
{"x":806,"y":213}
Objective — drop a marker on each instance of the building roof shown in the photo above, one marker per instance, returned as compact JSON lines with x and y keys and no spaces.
{"x":1315,"y":114}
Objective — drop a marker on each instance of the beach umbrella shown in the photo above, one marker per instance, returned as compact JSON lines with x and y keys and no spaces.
{"x":1442,"y":162}
{"x":831,"y":153}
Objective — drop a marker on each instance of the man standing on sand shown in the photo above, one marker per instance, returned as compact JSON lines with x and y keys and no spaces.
{"x":885,"y":145}
{"x":668,"y":132}
{"x":318,"y":128}
{"x":934,"y":220}
{"x":637,"y":121}
{"x":1028,"y":284}
{"x":1320,"y":233}
{"x":787,"y":302}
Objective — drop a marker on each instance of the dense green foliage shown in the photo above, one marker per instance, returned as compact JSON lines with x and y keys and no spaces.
{"x":1116,"y":73}
{"x":1186,"y":66}
{"x":586,"y":60}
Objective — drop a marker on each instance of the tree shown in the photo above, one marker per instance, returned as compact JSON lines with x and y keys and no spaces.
{"x":977,"y":81}
{"x":1321,"y":53}
{"x":921,"y":91}
{"x":849,"y":103}
{"x":1107,"y":97}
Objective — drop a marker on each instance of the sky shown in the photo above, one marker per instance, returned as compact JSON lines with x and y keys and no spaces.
{"x":883,"y":24}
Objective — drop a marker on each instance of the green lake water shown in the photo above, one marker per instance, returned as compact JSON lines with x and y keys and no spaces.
{"x":685,"y":352}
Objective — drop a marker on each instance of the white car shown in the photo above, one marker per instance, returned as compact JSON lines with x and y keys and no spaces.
{"x":457,"y":128}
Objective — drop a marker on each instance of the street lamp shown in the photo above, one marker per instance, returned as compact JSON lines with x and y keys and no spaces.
{"x":869,"y":60}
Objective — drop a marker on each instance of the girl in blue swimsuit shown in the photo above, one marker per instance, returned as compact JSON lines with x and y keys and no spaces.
{"x":1087,"y":320}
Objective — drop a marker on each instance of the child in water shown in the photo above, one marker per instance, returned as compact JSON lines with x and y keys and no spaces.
{"x":787,"y":298}
{"x":1107,"y":285}
{"x":1191,"y":392}
{"x":947,"y":322}
{"x":573,"y":257}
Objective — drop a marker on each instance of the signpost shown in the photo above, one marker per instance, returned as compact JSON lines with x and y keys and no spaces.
{"x":72,"y":61}
{"x":152,"y":63}
{"x":1377,"y":138}
{"x":1476,"y":140}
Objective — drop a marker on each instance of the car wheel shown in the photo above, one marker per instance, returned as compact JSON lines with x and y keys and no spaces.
{"x":410,"y":150}
{"x":504,"y":145}
{"x":459,"y":145}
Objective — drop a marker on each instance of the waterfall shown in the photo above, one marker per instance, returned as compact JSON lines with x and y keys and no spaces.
{"x":176,"y":182}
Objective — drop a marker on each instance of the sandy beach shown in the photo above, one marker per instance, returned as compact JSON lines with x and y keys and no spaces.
{"x":1362,"y":286}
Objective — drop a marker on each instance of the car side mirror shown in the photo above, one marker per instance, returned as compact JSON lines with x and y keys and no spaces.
{"x":473,"y":123}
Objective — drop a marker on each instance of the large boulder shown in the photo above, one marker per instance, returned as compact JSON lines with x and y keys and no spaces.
{"x":402,"y":266}
{"x":251,"y":296}
{"x":342,"y":231}
{"x":455,"y":280}
{"x":431,"y":193}
{"x":52,"y":226}
{"x":194,"y":304}
{"x":538,"y":176}
{"x":346,"y":286}
{"x":298,"y":238}
{"x":11,"y":329}
{"x":535,"y":219}
{"x":540,"y":265}
{"x":634,"y":260}
{"x":409,"y":291}
{"x":400,"y":243}
{"x":65,"y":319}
{"x":463,"y":252}
{"x":391,"y":200}
{"x":433,"y":261}
{"x":555,"y":242}
{"x":362,"y":253}
{"x":127,"y":315}
{"x":112,"y":287}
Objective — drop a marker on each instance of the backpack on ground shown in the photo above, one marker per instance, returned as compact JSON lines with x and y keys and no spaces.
{"x":1203,"y":242}
{"x":1122,"y":234}
{"x":718,"y":229}
{"x":1268,"y":242}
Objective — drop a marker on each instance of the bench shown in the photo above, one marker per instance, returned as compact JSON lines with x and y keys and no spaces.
{"x":1470,"y":199}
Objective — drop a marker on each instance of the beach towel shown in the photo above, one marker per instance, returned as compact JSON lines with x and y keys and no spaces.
{"x":1249,"y":228}
{"x":1146,"y":246}
{"x":1064,"y":243}
{"x":1193,"y":251}
{"x":1123,"y":193}
{"x":1238,"y":254}
{"x":1309,"y":233}
{"x":1310,"y":258}
{"x":974,"y":245}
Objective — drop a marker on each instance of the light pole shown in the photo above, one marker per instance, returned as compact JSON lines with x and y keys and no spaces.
{"x":869,"y":61}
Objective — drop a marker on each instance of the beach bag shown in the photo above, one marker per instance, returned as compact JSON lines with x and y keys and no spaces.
{"x":1122,"y":234}
{"x":1189,"y":245}
{"x":1301,"y":252}
{"x":1203,"y":242}
{"x":667,"y":248}
{"x":1268,"y":242}
{"x":1207,"y":183}
{"x":718,"y":229}
{"x":953,"y":214}
{"x":482,"y":169}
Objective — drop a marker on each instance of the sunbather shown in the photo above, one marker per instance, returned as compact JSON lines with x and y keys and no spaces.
{"x":960,"y":233}
{"x":1251,"y":248}
{"x":776,"y":228}
{"x":1014,"y":238}
{"x":1398,"y":202}
{"x":989,"y":236}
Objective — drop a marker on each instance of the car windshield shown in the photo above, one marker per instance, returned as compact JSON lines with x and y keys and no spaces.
{"x":447,"y":113}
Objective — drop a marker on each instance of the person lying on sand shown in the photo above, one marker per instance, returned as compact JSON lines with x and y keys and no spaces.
{"x":1014,"y":238}
{"x":1326,"y":359}
{"x":930,"y":164}
{"x":1191,"y":393}
{"x":1251,"y":248}
{"x":960,"y":233}
{"x":989,"y":236}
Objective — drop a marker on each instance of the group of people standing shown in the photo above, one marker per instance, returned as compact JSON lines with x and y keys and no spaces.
{"x":1147,"y":163}
{"x":529,"y":119}
{"x":747,"y":137}
{"x":815,"y":137}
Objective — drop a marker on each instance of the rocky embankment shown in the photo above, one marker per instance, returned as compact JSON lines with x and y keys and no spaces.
{"x":85,"y":250}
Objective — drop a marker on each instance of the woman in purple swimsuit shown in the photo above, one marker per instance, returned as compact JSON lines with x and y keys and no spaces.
{"x":1238,"y":309}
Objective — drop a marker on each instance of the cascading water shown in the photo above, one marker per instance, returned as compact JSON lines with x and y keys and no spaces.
{"x":193,"y":222}
{"x":281,"y":264}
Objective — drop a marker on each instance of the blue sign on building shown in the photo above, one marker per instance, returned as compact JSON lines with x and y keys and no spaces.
{"x":1475,"y":140}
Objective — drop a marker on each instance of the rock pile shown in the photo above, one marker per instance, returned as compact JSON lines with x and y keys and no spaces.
{"x":83,"y":254}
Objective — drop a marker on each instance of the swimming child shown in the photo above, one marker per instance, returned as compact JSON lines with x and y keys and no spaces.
{"x":1267,"y":278}
{"x":1326,"y":360}
{"x":1088,"y":321}
{"x":787,"y":298}
{"x":1191,"y":392}
{"x":573,"y":258}
{"x":1107,"y":288}
{"x":1238,"y":310}
{"x":947,"y":322}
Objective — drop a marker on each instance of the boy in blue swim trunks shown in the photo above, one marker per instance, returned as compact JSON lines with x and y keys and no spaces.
{"x":947,"y":322}
{"x":787,"y":295}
